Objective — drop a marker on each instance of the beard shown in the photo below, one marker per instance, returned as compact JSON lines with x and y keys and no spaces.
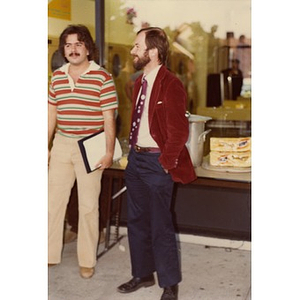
{"x":141,"y":62}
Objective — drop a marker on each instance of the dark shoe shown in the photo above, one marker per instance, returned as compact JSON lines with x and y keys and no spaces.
{"x":135,"y":283}
{"x":170,"y":293}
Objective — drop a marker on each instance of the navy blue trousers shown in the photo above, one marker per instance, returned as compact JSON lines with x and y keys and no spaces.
{"x":151,"y":235}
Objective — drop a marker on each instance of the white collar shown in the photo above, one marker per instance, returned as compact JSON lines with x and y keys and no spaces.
{"x":150,"y":77}
{"x":91,"y":67}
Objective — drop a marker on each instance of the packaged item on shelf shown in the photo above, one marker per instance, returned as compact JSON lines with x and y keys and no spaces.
{"x":230,"y":144}
{"x":230,"y":159}
{"x":230,"y":152}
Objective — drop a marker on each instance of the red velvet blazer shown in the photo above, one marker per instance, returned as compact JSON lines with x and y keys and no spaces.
{"x":169,"y":126}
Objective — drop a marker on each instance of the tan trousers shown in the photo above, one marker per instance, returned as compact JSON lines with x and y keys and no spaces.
{"x":65,"y":165}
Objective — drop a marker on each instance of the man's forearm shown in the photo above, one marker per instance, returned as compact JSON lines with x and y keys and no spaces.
{"x":110,"y":131}
{"x":51,"y":122}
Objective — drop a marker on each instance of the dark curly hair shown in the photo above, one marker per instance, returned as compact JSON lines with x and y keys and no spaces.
{"x":83,"y":35}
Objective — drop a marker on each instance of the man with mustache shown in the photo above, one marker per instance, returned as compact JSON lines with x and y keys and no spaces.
{"x":158,"y":157}
{"x":82,"y":101}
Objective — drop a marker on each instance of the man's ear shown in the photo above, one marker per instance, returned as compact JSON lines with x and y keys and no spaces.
{"x":153,"y":53}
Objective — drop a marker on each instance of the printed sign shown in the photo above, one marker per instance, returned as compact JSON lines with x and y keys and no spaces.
{"x":60,"y":9}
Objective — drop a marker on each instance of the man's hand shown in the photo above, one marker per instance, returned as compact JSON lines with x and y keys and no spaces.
{"x":105,"y":162}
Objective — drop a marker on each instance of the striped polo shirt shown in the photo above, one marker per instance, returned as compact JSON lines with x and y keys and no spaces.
{"x":80,"y":105}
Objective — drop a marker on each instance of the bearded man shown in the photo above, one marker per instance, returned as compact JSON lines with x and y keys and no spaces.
{"x":158,"y":157}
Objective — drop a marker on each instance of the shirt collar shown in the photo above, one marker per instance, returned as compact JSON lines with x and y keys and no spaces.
{"x":92,"y":67}
{"x":152,"y":75}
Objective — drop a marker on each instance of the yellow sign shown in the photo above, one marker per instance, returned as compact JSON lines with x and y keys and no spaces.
{"x":60,"y":9}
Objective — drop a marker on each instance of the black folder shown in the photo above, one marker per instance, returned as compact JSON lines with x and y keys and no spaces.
{"x":93,"y":147}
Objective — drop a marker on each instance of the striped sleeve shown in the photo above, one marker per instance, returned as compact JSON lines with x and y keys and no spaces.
{"x":51,"y":94}
{"x":108,"y":97}
{"x":58,"y":78}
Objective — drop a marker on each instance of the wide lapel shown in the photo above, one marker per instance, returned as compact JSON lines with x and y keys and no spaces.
{"x":156,"y":90}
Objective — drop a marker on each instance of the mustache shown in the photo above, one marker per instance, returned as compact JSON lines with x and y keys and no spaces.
{"x":73,"y":54}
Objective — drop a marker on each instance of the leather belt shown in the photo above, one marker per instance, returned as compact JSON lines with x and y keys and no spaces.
{"x":139,"y":149}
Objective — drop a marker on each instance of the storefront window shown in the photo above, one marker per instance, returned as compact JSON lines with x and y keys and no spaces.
{"x":210,"y":53}
{"x":207,"y":40}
